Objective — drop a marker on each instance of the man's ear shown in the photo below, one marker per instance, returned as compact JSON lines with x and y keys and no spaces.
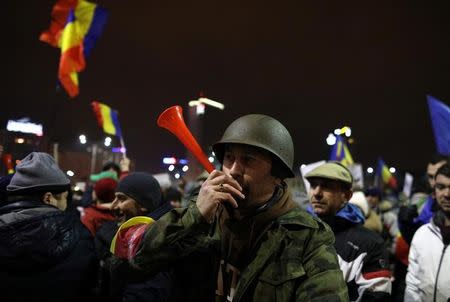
{"x":277,"y":181}
{"x":348,"y":194}
{"x":47,"y":197}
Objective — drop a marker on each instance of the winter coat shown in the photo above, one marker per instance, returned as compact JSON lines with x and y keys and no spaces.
{"x":294,"y":260}
{"x":94,"y":216}
{"x":362,"y":256}
{"x":45,"y":254}
{"x":121,"y":284}
{"x":428,"y":277}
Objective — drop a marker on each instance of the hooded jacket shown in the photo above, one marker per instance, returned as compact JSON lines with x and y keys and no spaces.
{"x":45,"y":254}
{"x":429,"y":263}
{"x":362,"y":256}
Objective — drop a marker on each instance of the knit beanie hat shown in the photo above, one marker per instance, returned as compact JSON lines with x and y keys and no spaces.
{"x":374,"y":191}
{"x":38,"y":172}
{"x":104,"y":174}
{"x":142,"y":187}
{"x":105,"y":189}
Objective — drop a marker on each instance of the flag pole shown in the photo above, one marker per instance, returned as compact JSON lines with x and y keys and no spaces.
{"x":122,"y":144}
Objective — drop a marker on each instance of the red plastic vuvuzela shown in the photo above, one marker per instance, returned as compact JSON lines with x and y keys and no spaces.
{"x":172,"y":120}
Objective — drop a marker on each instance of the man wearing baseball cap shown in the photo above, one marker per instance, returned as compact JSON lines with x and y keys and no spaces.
{"x":361,"y":252}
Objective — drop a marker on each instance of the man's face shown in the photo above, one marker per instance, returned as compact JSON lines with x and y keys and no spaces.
{"x":373,"y":200}
{"x":442,"y":192}
{"x":250,"y":167}
{"x":126,"y":206}
{"x":327,"y":196}
{"x":57,"y":200}
{"x":431,"y":171}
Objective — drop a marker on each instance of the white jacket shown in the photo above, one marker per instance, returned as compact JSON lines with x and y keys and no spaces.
{"x":427,"y":258}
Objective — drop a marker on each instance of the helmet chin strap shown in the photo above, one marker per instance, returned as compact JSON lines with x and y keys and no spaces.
{"x":278,"y":192}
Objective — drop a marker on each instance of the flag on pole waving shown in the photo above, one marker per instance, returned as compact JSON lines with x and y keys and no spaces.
{"x":107,"y":118}
{"x":440,"y":119}
{"x":385,"y":175}
{"x":341,"y":153}
{"x":75,"y":27}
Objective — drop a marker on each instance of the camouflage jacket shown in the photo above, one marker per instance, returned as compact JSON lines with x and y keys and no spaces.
{"x":295,"y":261}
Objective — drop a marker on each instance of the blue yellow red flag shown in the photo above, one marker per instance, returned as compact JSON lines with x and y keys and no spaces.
{"x":83,"y":25}
{"x":340,"y":152}
{"x":383,"y":173}
{"x":107,"y":118}
{"x":125,"y":242}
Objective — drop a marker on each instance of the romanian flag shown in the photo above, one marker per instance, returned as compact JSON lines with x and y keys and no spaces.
{"x":107,"y":118}
{"x":84,"y":22}
{"x":385,"y":175}
{"x":340,"y":152}
{"x":127,"y":239}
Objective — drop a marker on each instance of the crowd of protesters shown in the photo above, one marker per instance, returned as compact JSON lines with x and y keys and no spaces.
{"x":235,"y":234}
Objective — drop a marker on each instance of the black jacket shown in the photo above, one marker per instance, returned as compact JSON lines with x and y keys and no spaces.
{"x":363,"y":257}
{"x":45,"y":254}
{"x":118,"y":282}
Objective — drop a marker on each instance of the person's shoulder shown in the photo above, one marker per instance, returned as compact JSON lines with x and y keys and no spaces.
{"x":424,"y":230}
{"x":361,"y":234}
{"x":300,"y":225}
{"x":107,"y":230}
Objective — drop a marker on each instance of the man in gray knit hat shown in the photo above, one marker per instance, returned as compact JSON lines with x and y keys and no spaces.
{"x":45,"y":253}
{"x":39,"y":176}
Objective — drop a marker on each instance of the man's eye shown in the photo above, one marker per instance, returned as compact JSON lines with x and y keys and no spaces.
{"x":440,"y":187}
{"x":227,"y":156}
{"x":248,"y":158}
{"x":314,"y":184}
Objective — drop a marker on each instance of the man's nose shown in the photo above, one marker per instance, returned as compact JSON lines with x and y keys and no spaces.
{"x":447,"y":192}
{"x":317,"y":191}
{"x":115,"y":204}
{"x":236,"y":169}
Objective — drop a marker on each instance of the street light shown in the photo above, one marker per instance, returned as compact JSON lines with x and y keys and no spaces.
{"x":346,"y":130}
{"x":206,"y":101}
{"x":331,"y":139}
{"x":83,"y":139}
{"x":108,"y":141}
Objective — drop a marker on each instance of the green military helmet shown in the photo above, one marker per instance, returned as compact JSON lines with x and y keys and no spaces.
{"x":261,"y":131}
{"x":332,"y":170}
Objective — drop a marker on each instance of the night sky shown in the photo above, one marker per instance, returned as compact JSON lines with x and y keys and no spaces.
{"x":315,"y":66}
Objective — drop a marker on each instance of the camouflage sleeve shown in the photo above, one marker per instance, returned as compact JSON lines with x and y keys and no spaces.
{"x":324,"y":281}
{"x":173,"y":236}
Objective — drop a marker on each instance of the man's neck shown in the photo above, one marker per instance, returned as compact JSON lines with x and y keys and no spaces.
{"x":266,"y":203}
{"x":447,"y":221}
